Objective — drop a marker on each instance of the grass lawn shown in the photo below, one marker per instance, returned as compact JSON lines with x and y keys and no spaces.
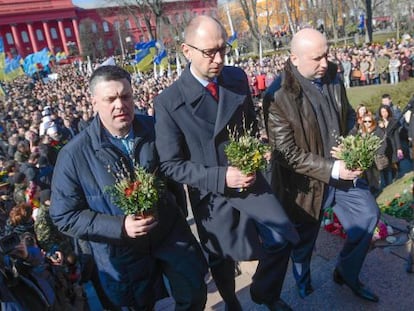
{"x":362,"y":94}
{"x":397,"y":187}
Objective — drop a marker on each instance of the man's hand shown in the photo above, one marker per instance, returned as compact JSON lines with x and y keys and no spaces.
{"x":57,"y":258}
{"x":335,"y":151}
{"x":236,"y":179}
{"x":346,"y":174}
{"x":137,"y":226}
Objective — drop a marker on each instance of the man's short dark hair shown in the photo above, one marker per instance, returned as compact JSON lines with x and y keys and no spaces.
{"x":386,"y":95}
{"x":108,"y":73}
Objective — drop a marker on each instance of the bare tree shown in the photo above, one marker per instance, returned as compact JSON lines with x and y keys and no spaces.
{"x":147,"y":9}
{"x":249,"y":8}
{"x":91,"y":37}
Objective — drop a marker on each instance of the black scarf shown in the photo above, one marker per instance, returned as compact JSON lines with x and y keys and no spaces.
{"x":325,"y":108}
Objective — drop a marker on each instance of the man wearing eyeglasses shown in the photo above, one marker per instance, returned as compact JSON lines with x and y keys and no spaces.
{"x":191,"y":134}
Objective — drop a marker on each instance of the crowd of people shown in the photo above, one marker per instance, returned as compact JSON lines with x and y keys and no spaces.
{"x":40,"y":118}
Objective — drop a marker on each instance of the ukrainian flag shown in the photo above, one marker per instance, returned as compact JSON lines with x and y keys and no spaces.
{"x":2,"y":91}
{"x":145,"y":55}
{"x":143,"y":45}
{"x":12,"y":68}
{"x":233,"y":41}
{"x":2,"y":59}
{"x":161,"y":58}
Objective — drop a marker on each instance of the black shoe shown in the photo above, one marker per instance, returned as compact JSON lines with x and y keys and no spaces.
{"x":232,"y":306}
{"x":278,"y":305}
{"x":358,"y":290}
{"x":304,"y":291}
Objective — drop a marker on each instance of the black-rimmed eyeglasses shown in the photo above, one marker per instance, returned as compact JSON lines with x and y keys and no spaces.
{"x":211,"y":53}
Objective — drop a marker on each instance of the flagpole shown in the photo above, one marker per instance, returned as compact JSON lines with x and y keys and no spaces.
{"x":260,"y":52}
{"x":177,"y":61}
{"x":120,"y":42}
{"x":236,"y":50}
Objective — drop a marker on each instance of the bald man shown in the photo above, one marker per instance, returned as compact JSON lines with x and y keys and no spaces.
{"x":191,"y":134}
{"x":307,"y":110}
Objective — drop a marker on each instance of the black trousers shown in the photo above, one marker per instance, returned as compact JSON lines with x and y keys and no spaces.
{"x":267,"y":281}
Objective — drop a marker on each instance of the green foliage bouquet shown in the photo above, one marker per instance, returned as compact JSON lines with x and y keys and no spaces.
{"x":246,"y":152}
{"x":358,"y":151}
{"x":137,"y":193}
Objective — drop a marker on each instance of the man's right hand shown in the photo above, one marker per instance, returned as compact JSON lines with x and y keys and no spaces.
{"x":136,"y":226}
{"x":236,"y":179}
{"x":346,"y":174}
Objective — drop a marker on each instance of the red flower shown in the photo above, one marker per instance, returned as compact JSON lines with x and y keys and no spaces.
{"x":128,"y":191}
{"x":136,"y":185}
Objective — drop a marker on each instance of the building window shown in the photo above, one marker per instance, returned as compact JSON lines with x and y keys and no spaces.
{"x":137,"y":21}
{"x":25,"y":37}
{"x":105,"y":26}
{"x":53,"y":33}
{"x":39,"y":35}
{"x":9,"y":38}
{"x":109,"y":44}
{"x":128,"y":24}
{"x":68,"y":32}
{"x":94,"y":28}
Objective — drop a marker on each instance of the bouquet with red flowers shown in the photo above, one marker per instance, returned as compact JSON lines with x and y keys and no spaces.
{"x":136,"y":193}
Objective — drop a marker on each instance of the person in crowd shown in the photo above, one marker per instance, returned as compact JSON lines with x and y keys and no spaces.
{"x":308,"y":112}
{"x":364,"y":66}
{"x":406,"y":65}
{"x":411,"y":135}
{"x":130,"y":251}
{"x":386,"y":100}
{"x":383,"y":62}
{"x":68,"y":130}
{"x":368,"y":126}
{"x":193,"y":119}
{"x":394,"y":150}
{"x":84,"y":121}
{"x":347,"y":66}
{"x":20,"y":220}
{"x":360,"y":110}
{"x":20,"y":184}
{"x":394,"y":68}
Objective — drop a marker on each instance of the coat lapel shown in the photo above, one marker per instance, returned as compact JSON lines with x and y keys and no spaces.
{"x":228,"y":103}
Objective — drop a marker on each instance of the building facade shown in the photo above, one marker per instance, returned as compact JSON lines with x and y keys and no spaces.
{"x":29,"y":26}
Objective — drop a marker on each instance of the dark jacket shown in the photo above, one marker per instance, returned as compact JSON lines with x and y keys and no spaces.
{"x":300,"y":171}
{"x":81,"y":207}
{"x":192,"y":132}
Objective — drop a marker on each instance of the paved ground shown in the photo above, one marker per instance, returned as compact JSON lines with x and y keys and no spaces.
{"x":383,"y":272}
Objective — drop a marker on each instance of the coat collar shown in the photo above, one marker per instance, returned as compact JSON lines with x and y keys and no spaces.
{"x":99,"y":139}
{"x":203,"y":106}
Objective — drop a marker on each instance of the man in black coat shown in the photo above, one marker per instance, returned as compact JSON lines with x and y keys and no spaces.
{"x":191,"y":134}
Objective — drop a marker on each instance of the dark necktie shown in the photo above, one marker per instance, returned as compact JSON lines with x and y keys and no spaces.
{"x":212,"y":88}
{"x":318,"y":84}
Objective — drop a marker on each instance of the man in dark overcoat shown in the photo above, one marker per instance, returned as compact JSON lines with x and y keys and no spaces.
{"x":192,"y":130}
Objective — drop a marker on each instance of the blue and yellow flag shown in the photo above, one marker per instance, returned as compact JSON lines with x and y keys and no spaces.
{"x":161,"y":58}
{"x":144,"y":45}
{"x":13,"y":68}
{"x":35,"y":62}
{"x":144,"y":55}
{"x":2,"y":91}
{"x":2,"y":60}
{"x":233,"y":41}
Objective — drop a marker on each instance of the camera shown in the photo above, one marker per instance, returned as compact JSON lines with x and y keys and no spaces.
{"x":9,"y":242}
